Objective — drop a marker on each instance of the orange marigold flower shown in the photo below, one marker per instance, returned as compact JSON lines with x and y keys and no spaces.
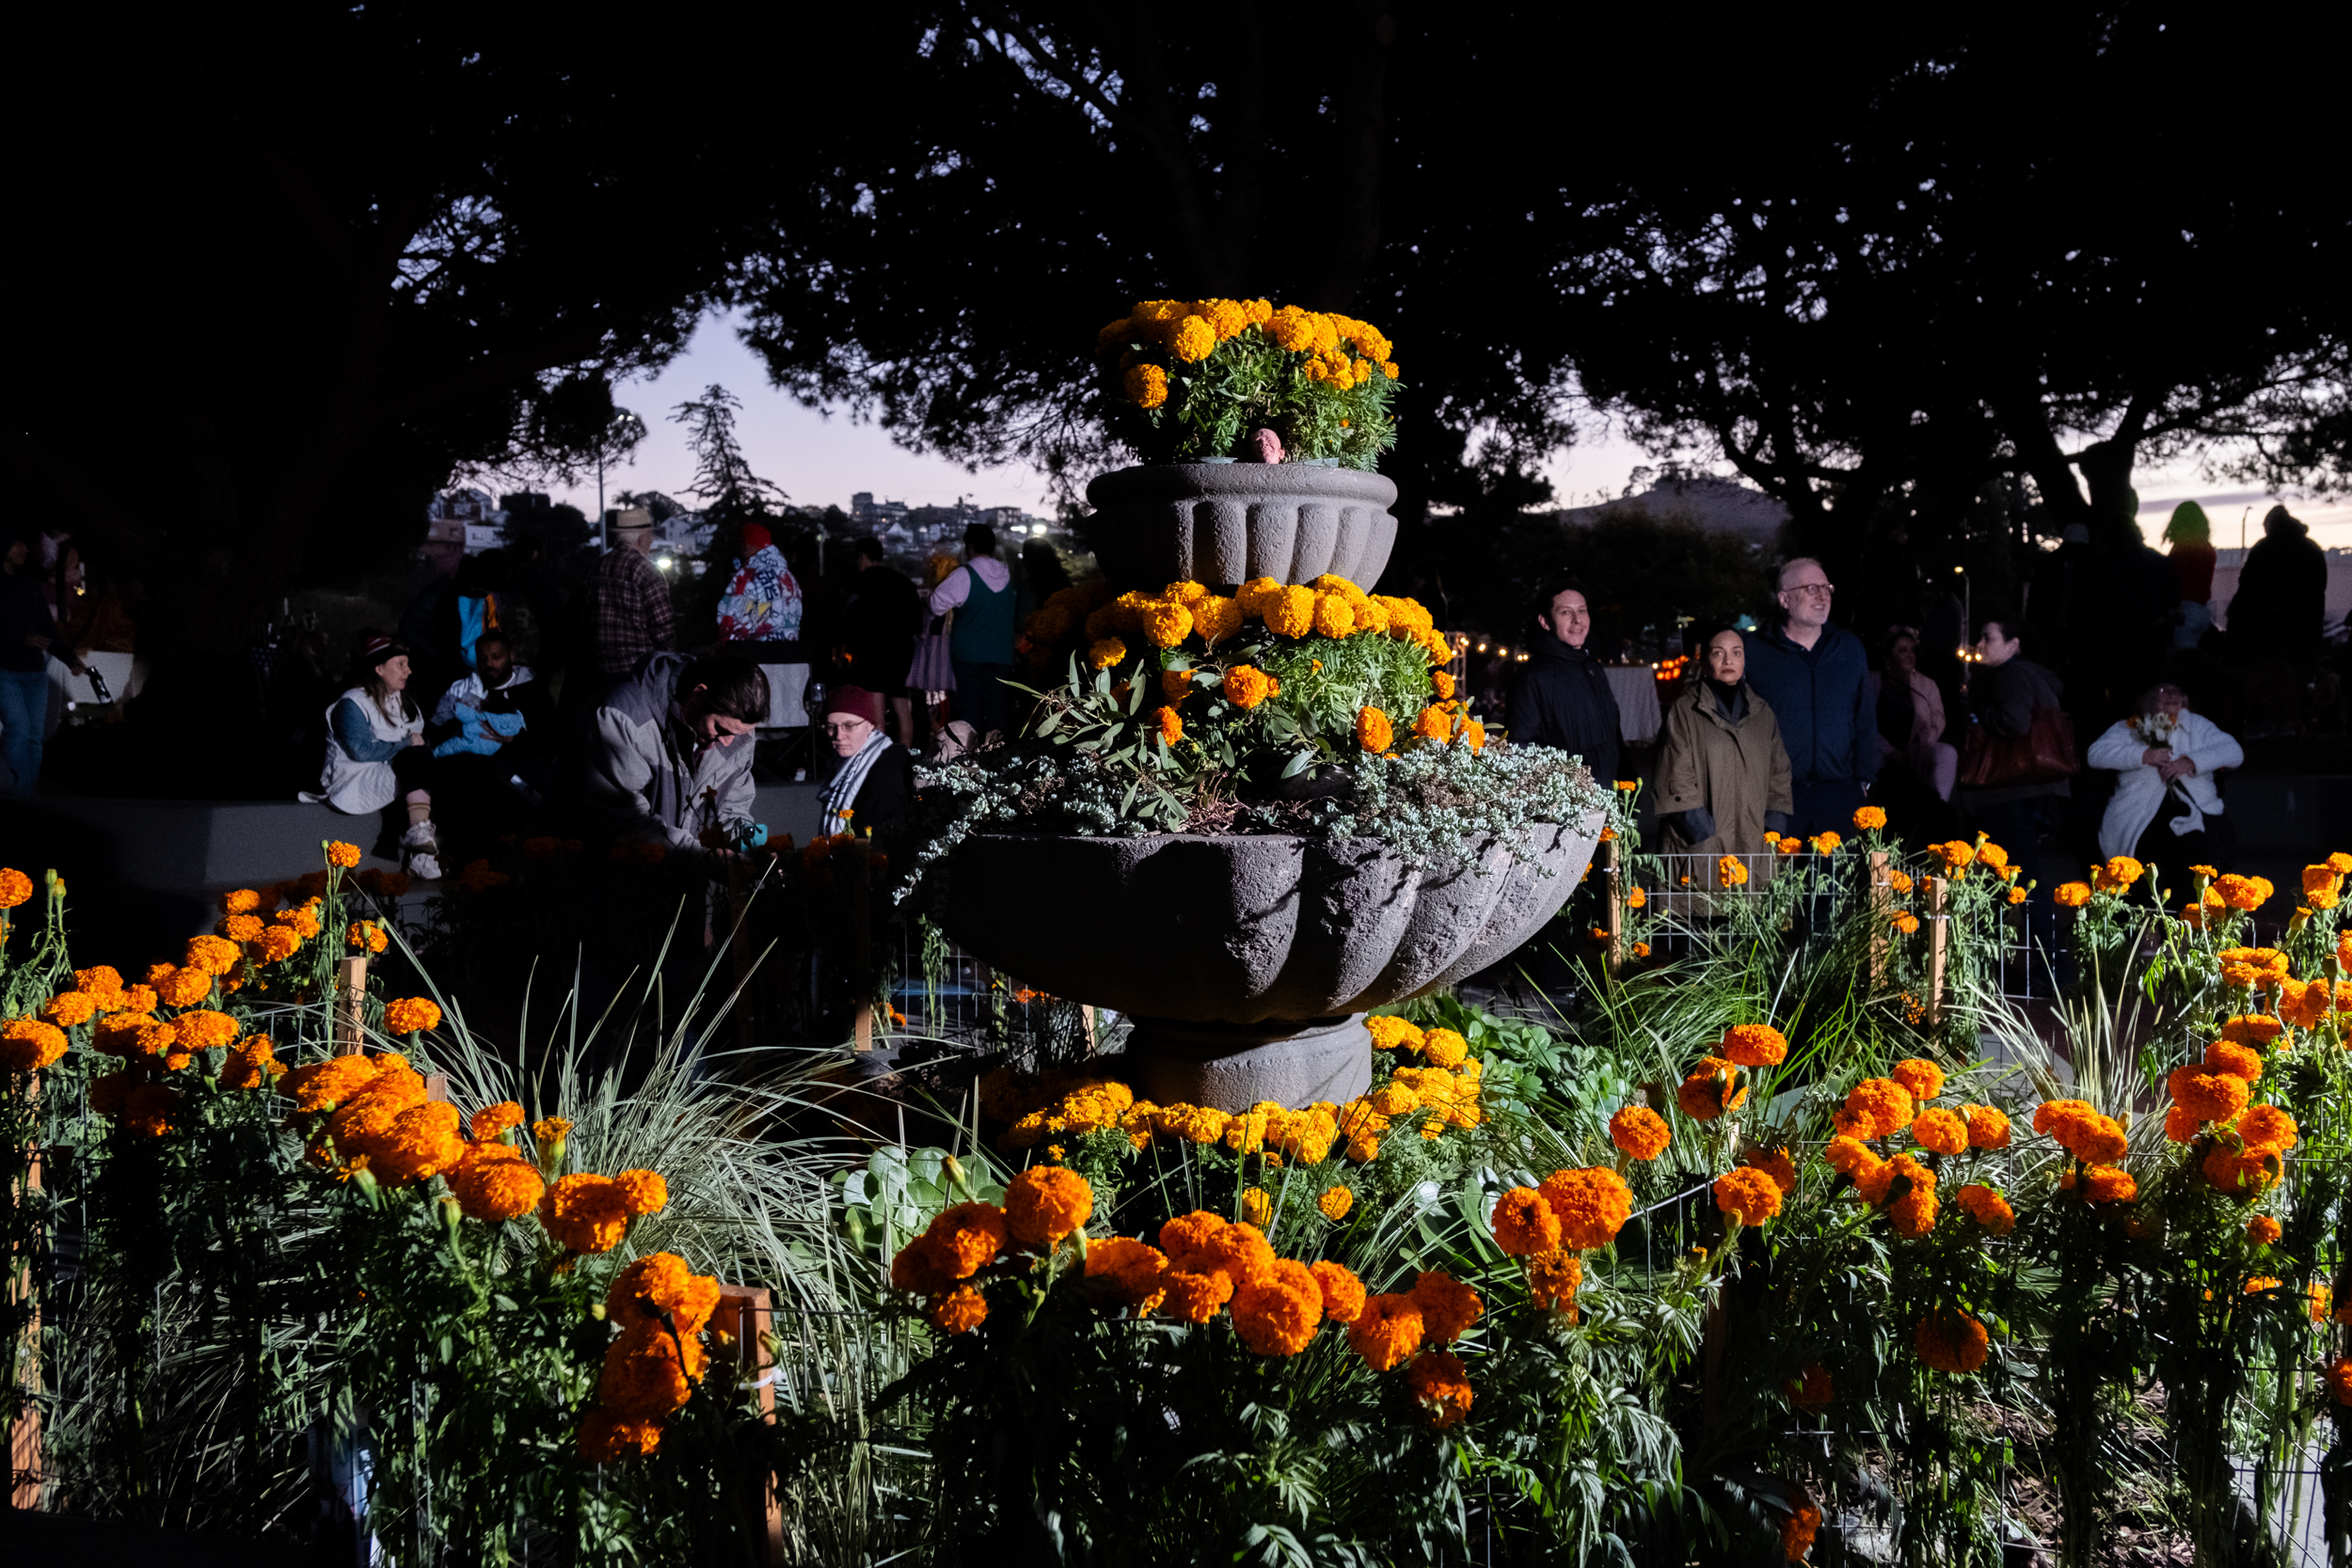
{"x":1448,"y":1306}
{"x":2205,"y":1095}
{"x":1988,"y":1126}
{"x":1195,"y":1297}
{"x":1812,"y":1387}
{"x":1245,"y":686}
{"x":606,"y":1439}
{"x":1922,"y":1078}
{"x":2238,"y":1061}
{"x":649,"y":1371}
{"x":1711,"y":1091}
{"x":491,"y":1121}
{"x":2267,"y":1127}
{"x":2072,"y":895}
{"x":1951,"y":1342}
{"x":1875,"y":1108}
{"x":212,"y":954}
{"x":252,"y":1065}
{"x":1747,"y":1195}
{"x":2261,"y":1230}
{"x":15,"y":888}
{"x":2100,"y":1185}
{"x":367,"y":936}
{"x":1444,"y":1047}
{"x":1389,"y":1329}
{"x":1592,"y":1205}
{"x":1441,"y":1386}
{"x":68,"y":1009}
{"x":1135,"y":1273}
{"x":1170,"y":724}
{"x":1944,"y":1131}
{"x":101,"y":982}
{"x":1988,"y":1208}
{"x":1278,"y":1315}
{"x":1753,"y":1045}
{"x":1730,"y":871}
{"x":342,"y":854}
{"x":28,"y":1045}
{"x":496,"y":1187}
{"x":2242,"y":893}
{"x":959,"y":1311}
{"x":586,"y":1213}
{"x":645,"y":1192}
{"x":1797,"y":1531}
{"x":1343,"y":1294}
{"x":1045,"y":1203}
{"x":1523,"y":1223}
{"x":410,"y":1014}
{"x":1869,"y":819}
{"x":421,"y":1142}
{"x":1640,"y":1132}
{"x":2119,"y":874}
{"x":2241,"y":1174}
{"x":1373,"y":731}
{"x":1553,"y":1281}
{"x":1778,"y":1163}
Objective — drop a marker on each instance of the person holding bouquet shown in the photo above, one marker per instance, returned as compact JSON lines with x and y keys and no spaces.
{"x":2167,"y":798}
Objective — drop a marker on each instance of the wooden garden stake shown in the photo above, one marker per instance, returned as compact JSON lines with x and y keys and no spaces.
{"x":744,"y":1315}
{"x":351,"y":994}
{"x":1882,"y":914}
{"x":1614,"y":888}
{"x":1939,"y":954}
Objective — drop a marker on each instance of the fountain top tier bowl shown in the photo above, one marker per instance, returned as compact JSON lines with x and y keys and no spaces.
{"x":1223,"y":523}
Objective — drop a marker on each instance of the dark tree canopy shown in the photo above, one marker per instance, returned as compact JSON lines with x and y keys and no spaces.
{"x":274,"y":256}
{"x":1876,"y":268}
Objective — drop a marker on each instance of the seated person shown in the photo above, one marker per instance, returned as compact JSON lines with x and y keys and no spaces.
{"x":875,"y":785}
{"x":671,"y":759}
{"x":376,"y":758}
{"x":2167,"y":799}
{"x":495,"y":672}
{"x":484,"y":726}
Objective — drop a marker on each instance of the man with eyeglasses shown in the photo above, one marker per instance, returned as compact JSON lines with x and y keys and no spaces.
{"x":1815,"y":677}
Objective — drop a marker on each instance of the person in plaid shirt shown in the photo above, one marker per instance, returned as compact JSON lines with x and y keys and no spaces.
{"x":632,"y":610}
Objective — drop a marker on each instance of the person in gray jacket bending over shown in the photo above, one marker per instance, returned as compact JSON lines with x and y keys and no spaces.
{"x":672,"y":760}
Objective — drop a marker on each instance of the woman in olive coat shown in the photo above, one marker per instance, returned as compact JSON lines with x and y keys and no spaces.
{"x":1722,"y":771}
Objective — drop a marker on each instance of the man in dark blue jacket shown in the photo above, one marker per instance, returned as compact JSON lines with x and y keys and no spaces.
{"x":1561,"y":696}
{"x":1814,"y":676}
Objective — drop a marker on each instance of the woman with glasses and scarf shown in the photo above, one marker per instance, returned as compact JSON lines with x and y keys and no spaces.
{"x":875,"y":785}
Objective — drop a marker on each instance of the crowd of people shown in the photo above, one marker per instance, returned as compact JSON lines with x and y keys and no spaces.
{"x":1786,"y":727}
{"x":447,"y":735}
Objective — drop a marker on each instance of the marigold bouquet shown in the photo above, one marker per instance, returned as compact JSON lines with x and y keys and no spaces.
{"x":1184,"y":380}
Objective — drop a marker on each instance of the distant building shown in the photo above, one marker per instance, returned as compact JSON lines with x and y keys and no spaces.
{"x":484,"y":523}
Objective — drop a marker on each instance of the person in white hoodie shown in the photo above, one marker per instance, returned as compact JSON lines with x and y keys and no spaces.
{"x":2166,"y":792}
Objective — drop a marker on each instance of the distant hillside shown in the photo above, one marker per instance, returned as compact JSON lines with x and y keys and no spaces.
{"x":1717,"y":505}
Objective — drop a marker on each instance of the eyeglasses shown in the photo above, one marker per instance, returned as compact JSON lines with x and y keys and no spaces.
{"x":1823,"y":589}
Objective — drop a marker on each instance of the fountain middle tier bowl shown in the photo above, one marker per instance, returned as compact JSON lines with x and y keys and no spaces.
{"x":1245,"y":959}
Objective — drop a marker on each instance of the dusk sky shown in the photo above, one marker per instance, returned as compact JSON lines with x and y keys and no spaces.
{"x":823,"y":460}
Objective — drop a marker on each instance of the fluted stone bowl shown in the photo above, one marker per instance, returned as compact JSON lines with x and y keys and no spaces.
{"x":1223,"y":523}
{"x":1247,"y":962}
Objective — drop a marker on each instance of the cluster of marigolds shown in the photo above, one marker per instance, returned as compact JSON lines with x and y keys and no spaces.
{"x":1342,"y":351}
{"x":1440,"y":1091}
{"x":374,"y":1120}
{"x":1329,"y":606}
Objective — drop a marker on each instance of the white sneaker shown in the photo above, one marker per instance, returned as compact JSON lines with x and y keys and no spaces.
{"x":421,"y":836}
{"x":425,"y":865}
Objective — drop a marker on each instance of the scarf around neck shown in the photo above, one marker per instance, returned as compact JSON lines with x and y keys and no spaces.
{"x":840,"y":797}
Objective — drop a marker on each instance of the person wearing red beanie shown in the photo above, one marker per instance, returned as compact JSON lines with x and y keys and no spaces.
{"x":875,"y":784}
